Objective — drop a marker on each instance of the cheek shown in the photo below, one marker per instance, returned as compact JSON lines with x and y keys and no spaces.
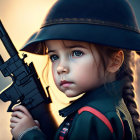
{"x":86,"y":73}
{"x":81,"y":71}
{"x":85,"y":67}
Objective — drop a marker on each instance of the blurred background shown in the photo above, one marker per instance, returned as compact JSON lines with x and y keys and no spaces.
{"x":21,"y":18}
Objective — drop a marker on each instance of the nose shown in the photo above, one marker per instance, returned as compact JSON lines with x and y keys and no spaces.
{"x":62,"y":69}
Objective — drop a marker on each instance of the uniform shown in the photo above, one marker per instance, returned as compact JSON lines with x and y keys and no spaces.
{"x":113,"y":123}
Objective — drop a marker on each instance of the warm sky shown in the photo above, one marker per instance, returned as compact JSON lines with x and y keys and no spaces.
{"x":21,"y":18}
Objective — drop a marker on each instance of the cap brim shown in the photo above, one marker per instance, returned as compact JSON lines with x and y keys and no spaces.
{"x":99,"y":34}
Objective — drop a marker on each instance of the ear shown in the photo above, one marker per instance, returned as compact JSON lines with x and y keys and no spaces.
{"x":115,"y":62}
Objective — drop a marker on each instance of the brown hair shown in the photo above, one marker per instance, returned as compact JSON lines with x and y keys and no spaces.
{"x":125,"y":72}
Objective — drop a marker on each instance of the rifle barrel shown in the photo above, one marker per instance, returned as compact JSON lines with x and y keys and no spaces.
{"x":7,"y":41}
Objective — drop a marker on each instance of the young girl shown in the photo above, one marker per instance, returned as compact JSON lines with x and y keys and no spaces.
{"x":88,"y":43}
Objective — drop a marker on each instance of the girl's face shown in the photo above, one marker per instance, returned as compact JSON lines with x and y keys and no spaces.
{"x":76,"y":66}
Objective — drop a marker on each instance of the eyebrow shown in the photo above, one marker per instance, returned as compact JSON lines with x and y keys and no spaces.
{"x":72,"y":46}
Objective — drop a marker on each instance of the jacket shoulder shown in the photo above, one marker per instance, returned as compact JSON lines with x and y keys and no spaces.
{"x":96,"y":125}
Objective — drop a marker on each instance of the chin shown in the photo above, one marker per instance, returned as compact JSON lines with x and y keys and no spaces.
{"x":70,"y":95}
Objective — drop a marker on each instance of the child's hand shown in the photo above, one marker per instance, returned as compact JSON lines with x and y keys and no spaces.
{"x":21,"y":120}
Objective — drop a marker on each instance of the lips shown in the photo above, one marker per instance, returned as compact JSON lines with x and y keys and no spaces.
{"x":65,"y":83}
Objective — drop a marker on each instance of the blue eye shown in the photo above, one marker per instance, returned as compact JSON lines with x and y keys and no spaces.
{"x":53,"y":58}
{"x":77,"y":53}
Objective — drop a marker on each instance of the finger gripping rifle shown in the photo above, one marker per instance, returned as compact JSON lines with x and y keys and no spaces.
{"x":26,"y":88}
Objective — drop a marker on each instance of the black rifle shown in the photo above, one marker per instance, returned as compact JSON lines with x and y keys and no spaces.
{"x":26,"y":88}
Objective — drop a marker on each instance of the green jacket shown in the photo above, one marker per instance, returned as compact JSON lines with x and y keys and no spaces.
{"x":85,"y":125}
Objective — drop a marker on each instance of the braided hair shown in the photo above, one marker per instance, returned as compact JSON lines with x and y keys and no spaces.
{"x":128,"y":95}
{"x":125,"y":72}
